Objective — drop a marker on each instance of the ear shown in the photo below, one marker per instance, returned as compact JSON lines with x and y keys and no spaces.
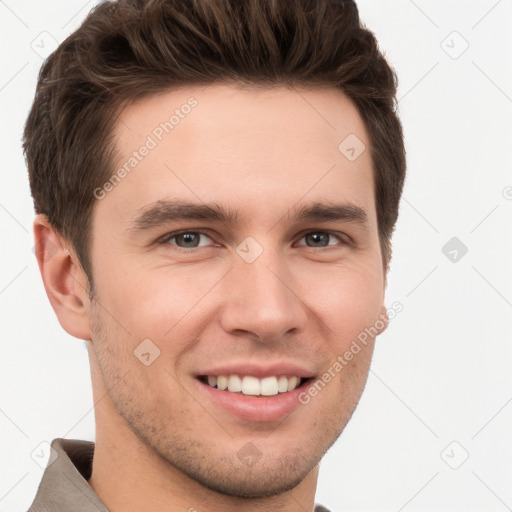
{"x":383,"y":320}
{"x":65,"y":282}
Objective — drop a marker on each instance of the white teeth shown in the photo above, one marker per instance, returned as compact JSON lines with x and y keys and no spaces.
{"x":269,"y":386}
{"x":234,"y":383}
{"x":282,"y":385}
{"x":292,"y":383}
{"x":249,"y":385}
{"x":222,"y":382}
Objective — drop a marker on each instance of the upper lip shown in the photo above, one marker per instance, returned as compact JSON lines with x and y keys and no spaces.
{"x":259,"y":370}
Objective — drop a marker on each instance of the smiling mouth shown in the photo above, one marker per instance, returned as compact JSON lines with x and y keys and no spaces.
{"x":253,"y":386}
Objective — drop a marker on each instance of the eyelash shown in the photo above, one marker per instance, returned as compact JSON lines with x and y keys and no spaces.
{"x":165,"y":240}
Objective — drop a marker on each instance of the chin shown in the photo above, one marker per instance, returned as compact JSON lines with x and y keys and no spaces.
{"x":263,"y":480}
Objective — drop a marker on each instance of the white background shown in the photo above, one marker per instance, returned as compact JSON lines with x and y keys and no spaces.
{"x":441,"y":371}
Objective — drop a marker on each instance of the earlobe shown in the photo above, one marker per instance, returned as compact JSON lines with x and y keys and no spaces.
{"x":64,"y":280}
{"x":383,"y":321}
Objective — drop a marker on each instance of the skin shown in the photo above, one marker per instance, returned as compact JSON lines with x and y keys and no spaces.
{"x":160,"y":444}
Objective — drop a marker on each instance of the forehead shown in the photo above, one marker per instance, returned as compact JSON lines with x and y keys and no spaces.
{"x":250,"y":147}
{"x":223,"y":112}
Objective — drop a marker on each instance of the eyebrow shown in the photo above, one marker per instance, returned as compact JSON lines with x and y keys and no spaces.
{"x":165,"y":211}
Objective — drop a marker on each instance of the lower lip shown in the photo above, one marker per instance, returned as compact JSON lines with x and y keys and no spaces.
{"x":255,"y":408}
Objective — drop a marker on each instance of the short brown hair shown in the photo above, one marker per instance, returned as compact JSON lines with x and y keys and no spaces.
{"x":129,"y":49}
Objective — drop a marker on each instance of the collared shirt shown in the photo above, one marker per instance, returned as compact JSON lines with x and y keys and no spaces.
{"x":64,"y":486}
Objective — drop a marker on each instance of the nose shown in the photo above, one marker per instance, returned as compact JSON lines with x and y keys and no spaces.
{"x":262,"y":299}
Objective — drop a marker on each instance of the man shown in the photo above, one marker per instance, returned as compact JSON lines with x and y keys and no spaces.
{"x":216,"y":184}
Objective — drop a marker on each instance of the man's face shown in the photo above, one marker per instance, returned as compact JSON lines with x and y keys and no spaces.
{"x":261,"y":295}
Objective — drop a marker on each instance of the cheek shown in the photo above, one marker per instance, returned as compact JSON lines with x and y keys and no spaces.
{"x":155,"y":301}
{"x":350,"y":302}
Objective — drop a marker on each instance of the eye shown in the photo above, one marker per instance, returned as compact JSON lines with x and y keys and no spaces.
{"x":192,"y":239}
{"x":185,"y":239}
{"x":321,"y":238}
